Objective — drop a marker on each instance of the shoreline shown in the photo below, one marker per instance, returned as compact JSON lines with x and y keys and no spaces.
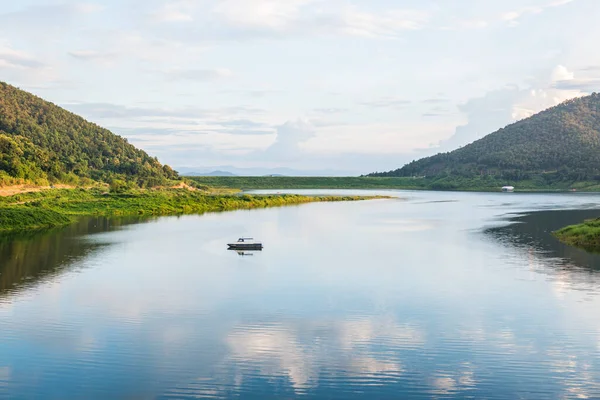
{"x":232,"y":187}
{"x":384,"y":183}
{"x":41,"y":210}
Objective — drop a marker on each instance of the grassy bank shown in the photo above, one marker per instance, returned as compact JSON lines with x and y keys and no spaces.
{"x":53,"y":208}
{"x":483,"y":184}
{"x":585,"y":235}
{"x":24,"y":218}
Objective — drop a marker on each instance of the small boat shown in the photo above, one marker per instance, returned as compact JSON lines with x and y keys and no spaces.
{"x":245,"y":244}
{"x":508,"y":189}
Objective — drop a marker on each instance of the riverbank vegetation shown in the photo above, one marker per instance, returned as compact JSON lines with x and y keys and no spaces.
{"x":300,"y":182}
{"x":57,"y":207}
{"x":483,"y":184}
{"x":585,"y":235}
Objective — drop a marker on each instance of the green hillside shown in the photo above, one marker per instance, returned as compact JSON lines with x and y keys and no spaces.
{"x":43,"y":143}
{"x":561,"y":144}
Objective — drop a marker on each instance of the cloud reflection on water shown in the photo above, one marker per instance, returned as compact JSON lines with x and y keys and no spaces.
{"x":349,"y":347}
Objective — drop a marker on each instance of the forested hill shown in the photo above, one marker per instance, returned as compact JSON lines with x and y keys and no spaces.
{"x":41,"y":142}
{"x":558,"y":144}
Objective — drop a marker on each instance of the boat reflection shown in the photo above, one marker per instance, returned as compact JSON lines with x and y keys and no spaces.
{"x":245,"y":253}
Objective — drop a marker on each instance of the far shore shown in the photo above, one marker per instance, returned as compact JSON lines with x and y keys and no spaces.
{"x":234,"y":184}
{"x":386,"y":183}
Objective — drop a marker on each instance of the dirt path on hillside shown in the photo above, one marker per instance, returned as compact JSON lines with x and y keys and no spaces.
{"x":18,"y":189}
{"x":184,"y":185}
{"x":6,"y":191}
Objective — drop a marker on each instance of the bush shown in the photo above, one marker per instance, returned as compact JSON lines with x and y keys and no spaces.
{"x":119,"y":186}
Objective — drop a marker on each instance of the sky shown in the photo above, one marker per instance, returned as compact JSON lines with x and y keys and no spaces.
{"x":341,"y":86}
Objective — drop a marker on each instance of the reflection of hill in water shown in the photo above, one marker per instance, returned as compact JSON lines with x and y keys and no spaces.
{"x":533,"y":232}
{"x":28,"y":259}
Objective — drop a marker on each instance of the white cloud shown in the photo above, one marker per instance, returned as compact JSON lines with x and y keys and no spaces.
{"x":289,"y":140}
{"x":561,"y":73}
{"x":94,"y":56}
{"x":110,"y":47}
{"x":354,"y":22}
{"x":582,"y":85}
{"x":47,"y":19}
{"x":24,"y":69}
{"x":85,"y":54}
{"x":174,"y":15}
{"x":198,"y":74}
{"x":316,"y":17}
{"x":11,"y":58}
{"x":512,"y":17}
{"x":198,"y":138}
{"x":272,"y":14}
{"x":566,"y":83}
{"x":88,"y":8}
{"x":473,"y":24}
{"x":176,"y":11}
{"x":557,"y":3}
{"x":509,"y":17}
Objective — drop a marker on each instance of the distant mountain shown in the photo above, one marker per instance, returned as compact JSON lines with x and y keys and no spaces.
{"x":558,"y":144}
{"x":40,"y":141}
{"x":282,"y":171}
{"x":212,"y":173}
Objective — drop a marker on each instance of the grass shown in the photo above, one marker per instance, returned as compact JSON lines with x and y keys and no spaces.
{"x":53,"y":208}
{"x":21,"y":218}
{"x":585,"y":235}
{"x":482,"y":184}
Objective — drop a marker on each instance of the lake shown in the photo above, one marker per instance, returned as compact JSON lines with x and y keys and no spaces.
{"x":426,"y":295}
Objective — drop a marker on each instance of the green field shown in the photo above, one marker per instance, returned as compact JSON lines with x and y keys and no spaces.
{"x":51,"y":208}
{"x":484,"y":184}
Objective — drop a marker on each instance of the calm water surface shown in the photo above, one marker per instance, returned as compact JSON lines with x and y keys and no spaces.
{"x":427,"y":295}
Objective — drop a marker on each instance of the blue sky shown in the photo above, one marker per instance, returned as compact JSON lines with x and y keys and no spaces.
{"x":351,"y":86}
